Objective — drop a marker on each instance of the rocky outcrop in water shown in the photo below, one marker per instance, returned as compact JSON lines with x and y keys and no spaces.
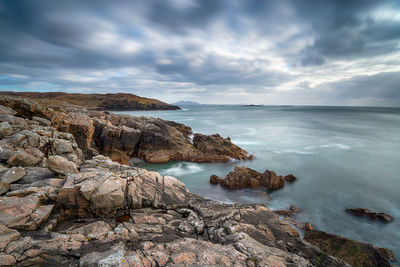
{"x":122,"y":137}
{"x":242,"y":177}
{"x":355,"y":253}
{"x":378,"y":216}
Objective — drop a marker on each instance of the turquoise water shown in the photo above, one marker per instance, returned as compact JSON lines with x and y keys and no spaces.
{"x":343,"y":157}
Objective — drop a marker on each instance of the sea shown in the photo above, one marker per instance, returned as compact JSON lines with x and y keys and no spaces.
{"x":343,"y":157}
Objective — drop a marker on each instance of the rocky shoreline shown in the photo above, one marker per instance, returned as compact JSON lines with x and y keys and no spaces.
{"x":62,"y":203}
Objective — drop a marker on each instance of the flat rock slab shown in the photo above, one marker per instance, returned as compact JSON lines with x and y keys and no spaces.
{"x":378,"y":216}
{"x":7,"y":235}
{"x":12,"y":175}
{"x":24,"y":213}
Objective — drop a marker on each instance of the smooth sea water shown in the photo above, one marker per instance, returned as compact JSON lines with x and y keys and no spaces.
{"x":343,"y":157}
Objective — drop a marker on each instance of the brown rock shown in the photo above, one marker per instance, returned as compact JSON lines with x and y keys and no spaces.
{"x":354,"y":253}
{"x":290,"y":178}
{"x":308,"y":226}
{"x":21,"y":158}
{"x":60,"y":165}
{"x":214,"y":179}
{"x":41,"y":121}
{"x":23,"y":213}
{"x":363,"y":212}
{"x":295,"y":209}
{"x":271,"y":180}
{"x":12,"y":175}
{"x":7,"y":235}
{"x":4,"y":187}
{"x":5,"y":129}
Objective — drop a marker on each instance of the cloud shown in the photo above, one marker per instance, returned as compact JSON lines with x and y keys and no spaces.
{"x":213,"y":51}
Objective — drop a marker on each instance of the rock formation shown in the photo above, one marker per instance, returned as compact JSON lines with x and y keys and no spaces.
{"x":355,"y":253}
{"x":378,"y":216}
{"x":122,"y":137}
{"x":67,"y":210}
{"x":243,"y":177}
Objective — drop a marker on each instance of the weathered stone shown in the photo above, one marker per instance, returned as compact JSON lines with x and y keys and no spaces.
{"x":379,"y":216}
{"x":21,"y":158}
{"x":62,"y":147}
{"x":23,"y":213}
{"x":5,"y":129}
{"x":12,"y":175}
{"x":41,"y":121}
{"x":61,"y":165}
{"x":7,"y":235}
{"x":4,"y":187}
{"x":272,"y":181}
{"x":355,"y":253}
{"x":290,"y":178}
{"x":6,"y":150}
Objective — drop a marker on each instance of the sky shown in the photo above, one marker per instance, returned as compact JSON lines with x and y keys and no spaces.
{"x":286,"y":52}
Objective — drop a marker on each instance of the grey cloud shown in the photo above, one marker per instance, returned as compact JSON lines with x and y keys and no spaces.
{"x":49,"y":40}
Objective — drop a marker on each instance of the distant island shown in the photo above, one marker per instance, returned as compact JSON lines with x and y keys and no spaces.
{"x":186,"y":103}
{"x":120,"y":101}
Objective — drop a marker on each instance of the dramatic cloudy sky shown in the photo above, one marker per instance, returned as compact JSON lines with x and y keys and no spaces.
{"x":234,"y":51}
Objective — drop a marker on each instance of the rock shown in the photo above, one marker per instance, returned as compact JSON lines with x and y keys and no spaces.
{"x":60,"y":165}
{"x":243,"y":177}
{"x":214,"y":179}
{"x":21,"y":158}
{"x":295,"y":209}
{"x":7,"y":111}
{"x":5,"y":129}
{"x":41,"y":121}
{"x":7,"y":235}
{"x":218,"y":148}
{"x":24,"y":213}
{"x":6,"y":150}
{"x":290,"y":178}
{"x":61,"y":146}
{"x":353,"y":252}
{"x":363,"y":212}
{"x":36,"y":174}
{"x":308,"y":226}
{"x":13,"y":175}
{"x":272,"y":181}
{"x":4,"y":187}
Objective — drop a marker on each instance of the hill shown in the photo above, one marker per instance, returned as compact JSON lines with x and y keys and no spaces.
{"x":186,"y":103}
{"x":118,"y":101}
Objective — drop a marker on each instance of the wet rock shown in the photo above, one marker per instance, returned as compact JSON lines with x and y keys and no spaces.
{"x":41,"y":121}
{"x":378,"y":216}
{"x":350,"y":251}
{"x":214,"y":179}
{"x":295,"y":209}
{"x":290,"y":178}
{"x":243,"y":177}
{"x":272,"y":181}
{"x":12,"y":175}
{"x":308,"y":226}
{"x":61,"y":165}
{"x":21,"y":158}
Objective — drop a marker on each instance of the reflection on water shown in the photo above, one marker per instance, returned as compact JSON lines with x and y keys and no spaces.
{"x":343,"y":156}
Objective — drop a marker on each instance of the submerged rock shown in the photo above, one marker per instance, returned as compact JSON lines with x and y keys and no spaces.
{"x":363,"y":212}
